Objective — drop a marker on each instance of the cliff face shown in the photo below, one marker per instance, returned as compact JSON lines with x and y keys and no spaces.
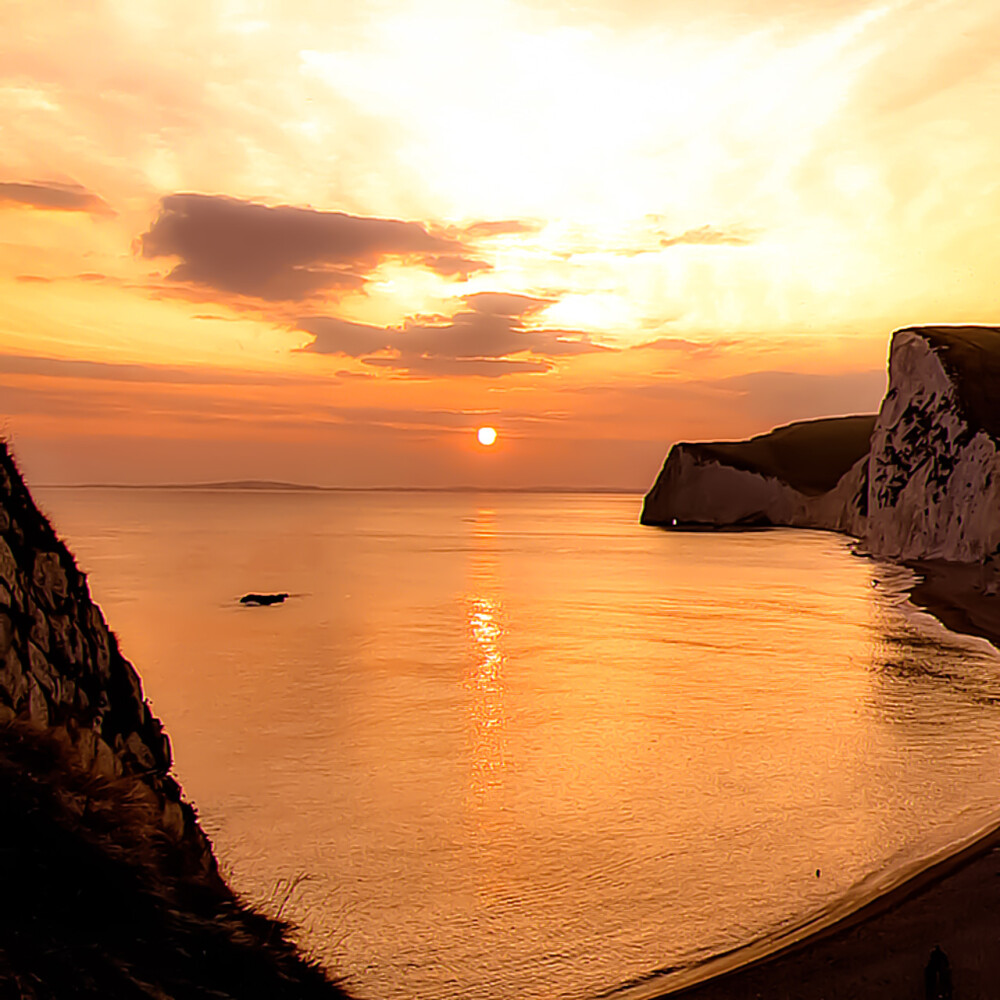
{"x":808,"y":474}
{"x":61,"y":669}
{"x":923,"y":483}
{"x":934,"y":488}
{"x":110,"y":886}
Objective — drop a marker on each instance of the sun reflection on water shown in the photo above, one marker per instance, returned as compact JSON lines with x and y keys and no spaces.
{"x":485,"y":676}
{"x":486,"y":680}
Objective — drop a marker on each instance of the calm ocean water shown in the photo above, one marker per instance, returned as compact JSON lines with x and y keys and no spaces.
{"x":517,"y":746}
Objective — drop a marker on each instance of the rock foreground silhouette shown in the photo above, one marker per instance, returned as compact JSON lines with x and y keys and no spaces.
{"x":111,"y":887}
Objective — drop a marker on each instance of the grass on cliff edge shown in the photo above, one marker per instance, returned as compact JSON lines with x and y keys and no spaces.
{"x":96,"y":901}
{"x":810,"y":455}
{"x":971,"y":356}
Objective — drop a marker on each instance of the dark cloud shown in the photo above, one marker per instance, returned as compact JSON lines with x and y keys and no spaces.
{"x":457,"y":420}
{"x":709,"y":236}
{"x":479,"y":340}
{"x":54,"y":197}
{"x":506,"y":303}
{"x":286,"y":253}
{"x":38,"y":279}
{"x":341,"y":336}
{"x":433,"y":367}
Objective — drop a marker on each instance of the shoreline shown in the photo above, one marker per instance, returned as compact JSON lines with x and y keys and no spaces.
{"x":878,"y":950}
{"x":952,"y":593}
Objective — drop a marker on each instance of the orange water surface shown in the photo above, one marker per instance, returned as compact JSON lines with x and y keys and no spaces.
{"x":517,"y":746}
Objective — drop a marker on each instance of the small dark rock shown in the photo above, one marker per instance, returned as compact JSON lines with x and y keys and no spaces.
{"x":261,"y":599}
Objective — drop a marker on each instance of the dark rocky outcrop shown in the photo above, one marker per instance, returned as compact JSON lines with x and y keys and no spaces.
{"x":111,"y":888}
{"x":61,"y":669}
{"x":811,"y":455}
{"x":100,"y":901}
{"x":262,"y":600}
{"x":934,"y":471}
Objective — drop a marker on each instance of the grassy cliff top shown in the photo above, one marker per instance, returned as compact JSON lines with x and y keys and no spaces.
{"x":971,"y":356}
{"x":810,"y":455}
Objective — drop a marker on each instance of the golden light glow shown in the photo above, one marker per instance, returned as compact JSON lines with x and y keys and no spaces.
{"x":703,"y":199}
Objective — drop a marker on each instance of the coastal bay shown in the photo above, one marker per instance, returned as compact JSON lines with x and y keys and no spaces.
{"x":920,"y":492}
{"x":882,"y":949}
{"x":518,"y":708}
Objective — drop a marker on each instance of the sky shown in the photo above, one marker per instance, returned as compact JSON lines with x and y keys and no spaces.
{"x":320,"y":241}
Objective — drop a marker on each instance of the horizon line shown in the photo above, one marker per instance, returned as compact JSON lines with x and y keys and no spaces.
{"x":264,"y":486}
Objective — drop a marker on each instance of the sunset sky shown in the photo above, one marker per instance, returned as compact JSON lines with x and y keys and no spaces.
{"x":322,"y":242}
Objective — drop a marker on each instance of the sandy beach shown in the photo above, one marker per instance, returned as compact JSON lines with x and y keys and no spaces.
{"x":880,"y":951}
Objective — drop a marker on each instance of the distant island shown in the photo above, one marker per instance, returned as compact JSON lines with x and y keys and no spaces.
{"x":249,"y":485}
{"x":266,"y":486}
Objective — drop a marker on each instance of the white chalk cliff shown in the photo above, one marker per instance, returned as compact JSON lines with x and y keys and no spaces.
{"x":921,"y":480}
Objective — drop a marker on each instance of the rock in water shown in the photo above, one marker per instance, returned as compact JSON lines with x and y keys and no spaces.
{"x":262,"y":599}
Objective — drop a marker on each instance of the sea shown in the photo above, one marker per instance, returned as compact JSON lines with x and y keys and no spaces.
{"x":516,"y":745}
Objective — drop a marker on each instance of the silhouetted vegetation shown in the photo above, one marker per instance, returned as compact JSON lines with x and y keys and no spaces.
{"x":99,"y":901}
{"x":971,"y":356}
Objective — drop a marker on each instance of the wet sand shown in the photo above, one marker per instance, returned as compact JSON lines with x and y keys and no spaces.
{"x":880,"y":951}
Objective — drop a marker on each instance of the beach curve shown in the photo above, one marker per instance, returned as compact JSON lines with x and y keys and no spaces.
{"x":875,"y":942}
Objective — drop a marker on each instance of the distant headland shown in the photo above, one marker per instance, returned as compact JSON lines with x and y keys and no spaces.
{"x":920,"y":480}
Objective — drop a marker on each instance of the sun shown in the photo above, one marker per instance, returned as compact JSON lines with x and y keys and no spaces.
{"x":486,"y":436}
